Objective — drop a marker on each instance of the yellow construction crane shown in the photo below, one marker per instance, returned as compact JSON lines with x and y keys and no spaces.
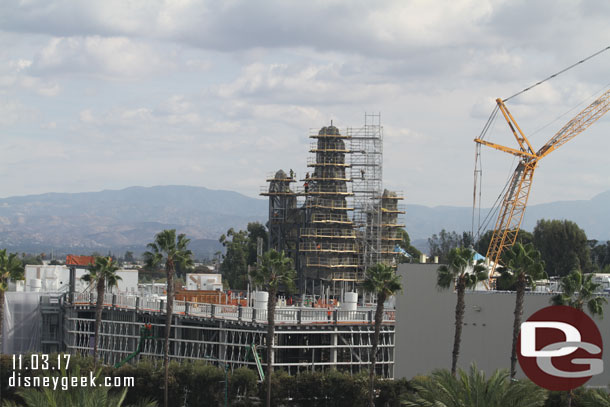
{"x":515,"y":199}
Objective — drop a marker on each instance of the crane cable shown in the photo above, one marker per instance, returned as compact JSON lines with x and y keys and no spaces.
{"x":478,"y":172}
{"x":558,"y":73}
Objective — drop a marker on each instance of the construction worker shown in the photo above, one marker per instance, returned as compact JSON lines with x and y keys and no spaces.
{"x":306,"y":185}
{"x":291,"y":174}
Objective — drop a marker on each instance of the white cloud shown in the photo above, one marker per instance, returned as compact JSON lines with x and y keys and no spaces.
{"x":325,"y":84}
{"x":12,"y":111}
{"x":86,"y":116}
{"x":220,"y":93}
{"x":113,"y":57}
{"x":40,"y":86}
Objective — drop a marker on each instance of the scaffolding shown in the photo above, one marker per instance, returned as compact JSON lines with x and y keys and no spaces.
{"x":391,"y":211}
{"x":366,"y":169}
{"x":327,"y":239}
{"x":338,"y":217}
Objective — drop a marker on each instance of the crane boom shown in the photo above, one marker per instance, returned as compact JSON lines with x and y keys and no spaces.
{"x":515,"y":199}
{"x":578,"y":124}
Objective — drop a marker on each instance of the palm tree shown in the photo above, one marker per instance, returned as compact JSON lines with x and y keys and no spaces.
{"x":383,"y":281}
{"x":523,"y":267}
{"x":442,"y":388}
{"x":462,"y":269}
{"x":10,"y":268}
{"x":171,"y":251}
{"x":576,"y":292}
{"x":594,"y":398}
{"x":102,"y":274}
{"x":274,"y":270}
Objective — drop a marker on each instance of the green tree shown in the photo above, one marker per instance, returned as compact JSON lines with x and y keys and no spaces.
{"x":11,"y":268}
{"x":523,"y":267}
{"x":440,"y":245}
{"x":128,"y":257}
{"x":275,"y":270}
{"x":462,"y":269}
{"x":600,"y":254}
{"x":482,"y":244}
{"x":234,"y":266}
{"x":243,"y":384}
{"x":30,"y":259}
{"x":563,"y":246}
{"x":102,"y":273}
{"x":473,"y":389}
{"x":406,"y":245}
{"x":240,"y":252}
{"x":169,"y":250}
{"x":383,"y":281}
{"x":256,"y":230}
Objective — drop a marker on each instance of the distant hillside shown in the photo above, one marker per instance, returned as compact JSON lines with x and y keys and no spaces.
{"x":123,"y":220}
{"x":593,"y":216}
{"x":128,"y":219}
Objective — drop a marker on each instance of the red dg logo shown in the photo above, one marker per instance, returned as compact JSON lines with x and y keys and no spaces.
{"x":560,"y":348}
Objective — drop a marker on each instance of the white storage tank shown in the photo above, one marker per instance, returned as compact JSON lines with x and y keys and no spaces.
{"x":261,"y":298}
{"x":350,"y":301}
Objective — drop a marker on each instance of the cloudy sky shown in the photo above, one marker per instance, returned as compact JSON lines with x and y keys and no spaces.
{"x":109,"y":94}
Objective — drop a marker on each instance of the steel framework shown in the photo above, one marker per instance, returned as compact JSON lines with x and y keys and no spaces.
{"x":307,"y":338}
{"x":367,"y":185}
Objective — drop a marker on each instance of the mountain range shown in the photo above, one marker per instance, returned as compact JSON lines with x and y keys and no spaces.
{"x":128,"y":219}
{"x":123,"y":220}
{"x":593,"y":216}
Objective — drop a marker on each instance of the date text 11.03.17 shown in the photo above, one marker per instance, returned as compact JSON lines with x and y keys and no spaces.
{"x":37,"y":361}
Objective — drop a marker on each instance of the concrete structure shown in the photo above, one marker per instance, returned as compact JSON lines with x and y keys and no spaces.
{"x":425,"y":326}
{"x":48,"y":278}
{"x":201,"y":281}
{"x":308,"y":338}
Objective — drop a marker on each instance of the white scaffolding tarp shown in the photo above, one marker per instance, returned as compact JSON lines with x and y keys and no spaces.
{"x":22,"y":322}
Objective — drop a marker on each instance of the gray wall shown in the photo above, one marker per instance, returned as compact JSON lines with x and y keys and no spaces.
{"x":425,"y":326}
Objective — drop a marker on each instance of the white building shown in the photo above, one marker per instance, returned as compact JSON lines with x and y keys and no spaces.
{"x":200,"y":281}
{"x":47,"y":278}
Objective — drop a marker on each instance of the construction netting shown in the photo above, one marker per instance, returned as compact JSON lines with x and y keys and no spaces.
{"x":22,"y":322}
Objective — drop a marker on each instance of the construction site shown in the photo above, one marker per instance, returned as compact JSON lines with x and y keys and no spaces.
{"x":337,"y":220}
{"x":334,"y":222}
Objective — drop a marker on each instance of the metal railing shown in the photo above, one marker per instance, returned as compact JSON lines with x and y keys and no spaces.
{"x":330,"y":233}
{"x":328,"y":247}
{"x":331,"y":218}
{"x":327,"y":161}
{"x":287,"y":315}
{"x":333,"y":204}
{"x":332,"y":262}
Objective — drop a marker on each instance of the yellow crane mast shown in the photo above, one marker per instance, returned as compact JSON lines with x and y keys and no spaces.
{"x":515,"y":199}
